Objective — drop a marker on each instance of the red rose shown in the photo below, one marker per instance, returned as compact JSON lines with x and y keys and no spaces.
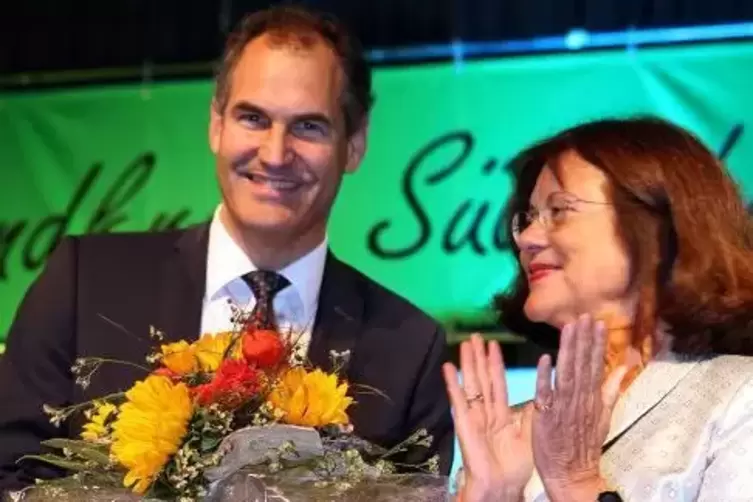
{"x":263,"y":347}
{"x":234,"y":384}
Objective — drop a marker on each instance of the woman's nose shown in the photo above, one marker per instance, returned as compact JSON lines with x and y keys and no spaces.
{"x":533,"y":237}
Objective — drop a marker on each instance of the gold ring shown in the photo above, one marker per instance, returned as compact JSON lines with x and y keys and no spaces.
{"x":541,"y":407}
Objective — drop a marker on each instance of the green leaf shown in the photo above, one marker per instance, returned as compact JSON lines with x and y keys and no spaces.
{"x":58,"y":461}
{"x":105,"y":478}
{"x":85,"y":449}
{"x":71,"y":444}
{"x":209,"y":443}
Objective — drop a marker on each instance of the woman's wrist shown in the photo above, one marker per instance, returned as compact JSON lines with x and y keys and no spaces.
{"x":512,"y":495}
{"x":499,"y":494}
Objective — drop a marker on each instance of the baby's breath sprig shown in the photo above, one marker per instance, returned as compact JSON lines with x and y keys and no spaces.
{"x":84,"y":368}
{"x":431,"y":466}
{"x":184,"y":475}
{"x":156,"y":334}
{"x":339,"y":360}
{"x":267,"y":414}
{"x":60,"y":415}
{"x":420,"y":438}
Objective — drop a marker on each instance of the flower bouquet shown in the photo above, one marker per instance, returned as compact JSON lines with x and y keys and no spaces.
{"x":232,"y":416}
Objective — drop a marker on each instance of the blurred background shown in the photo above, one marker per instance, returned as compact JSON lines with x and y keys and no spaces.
{"x":48,"y":41}
{"x":104,"y":107}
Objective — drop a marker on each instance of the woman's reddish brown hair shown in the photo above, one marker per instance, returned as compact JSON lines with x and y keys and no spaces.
{"x":682,"y":221}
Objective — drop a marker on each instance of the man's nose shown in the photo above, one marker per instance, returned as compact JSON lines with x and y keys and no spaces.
{"x":274,"y":149}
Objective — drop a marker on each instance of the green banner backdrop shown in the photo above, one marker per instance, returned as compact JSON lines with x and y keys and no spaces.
{"x":422,"y":213}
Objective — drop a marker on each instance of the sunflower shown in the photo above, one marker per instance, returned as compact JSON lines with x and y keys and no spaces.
{"x":150,"y":428}
{"x":210,"y":349}
{"x":311,"y":399}
{"x":180,"y":358}
{"x":98,"y":425}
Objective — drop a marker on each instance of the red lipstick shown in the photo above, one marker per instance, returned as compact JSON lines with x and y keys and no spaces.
{"x":538,"y":271}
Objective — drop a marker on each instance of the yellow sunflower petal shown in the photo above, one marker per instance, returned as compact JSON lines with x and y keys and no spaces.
{"x":96,"y":429}
{"x":311,"y":399}
{"x":211,"y":349}
{"x":150,"y":428}
{"x":179,"y":357}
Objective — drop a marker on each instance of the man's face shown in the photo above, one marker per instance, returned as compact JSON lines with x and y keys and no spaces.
{"x":280,"y":143}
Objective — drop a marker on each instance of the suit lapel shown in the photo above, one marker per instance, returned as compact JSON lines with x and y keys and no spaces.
{"x":656,"y":381}
{"x":181,"y":286}
{"x":339,"y":315}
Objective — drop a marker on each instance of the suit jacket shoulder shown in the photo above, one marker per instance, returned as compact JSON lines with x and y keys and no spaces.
{"x":727,"y":375}
{"x":101,"y":250}
{"x":688,"y":429}
{"x":385,"y":304}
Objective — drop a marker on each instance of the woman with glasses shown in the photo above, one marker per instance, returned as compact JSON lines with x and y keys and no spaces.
{"x":636,"y":255}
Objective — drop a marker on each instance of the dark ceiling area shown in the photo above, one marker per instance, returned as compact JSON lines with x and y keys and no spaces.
{"x":48,"y":36}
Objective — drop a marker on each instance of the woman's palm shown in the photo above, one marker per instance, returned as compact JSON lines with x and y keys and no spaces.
{"x":495,"y":440}
{"x":497,"y":448}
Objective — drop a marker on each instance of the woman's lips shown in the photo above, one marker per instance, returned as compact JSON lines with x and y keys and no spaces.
{"x":538,"y":272}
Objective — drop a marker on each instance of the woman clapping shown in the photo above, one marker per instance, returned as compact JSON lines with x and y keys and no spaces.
{"x":635,"y":252}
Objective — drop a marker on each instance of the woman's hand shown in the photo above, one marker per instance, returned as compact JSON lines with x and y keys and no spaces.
{"x":494,"y":440}
{"x":572,"y":419}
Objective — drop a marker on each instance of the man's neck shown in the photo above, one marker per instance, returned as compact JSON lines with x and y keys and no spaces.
{"x":270,"y":250}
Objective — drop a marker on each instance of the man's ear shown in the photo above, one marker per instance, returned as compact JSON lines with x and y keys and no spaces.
{"x":357,"y":147}
{"x":215,"y":126}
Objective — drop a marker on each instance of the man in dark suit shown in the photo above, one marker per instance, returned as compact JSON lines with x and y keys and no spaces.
{"x":288,"y":120}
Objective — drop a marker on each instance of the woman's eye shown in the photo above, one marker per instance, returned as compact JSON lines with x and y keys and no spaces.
{"x":559,"y":212}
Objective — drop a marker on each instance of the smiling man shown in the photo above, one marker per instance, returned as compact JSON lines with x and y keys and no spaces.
{"x":288,"y":120}
{"x":284,"y":135}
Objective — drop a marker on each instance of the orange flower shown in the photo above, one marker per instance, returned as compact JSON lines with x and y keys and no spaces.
{"x":263,"y":347}
{"x":234,"y":384}
{"x":180,"y":358}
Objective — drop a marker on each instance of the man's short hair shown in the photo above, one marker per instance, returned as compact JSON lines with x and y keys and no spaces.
{"x":302,"y":27}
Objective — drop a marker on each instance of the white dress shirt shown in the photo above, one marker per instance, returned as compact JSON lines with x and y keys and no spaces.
{"x":295,"y":306}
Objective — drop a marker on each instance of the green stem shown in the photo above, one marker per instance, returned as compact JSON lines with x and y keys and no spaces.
{"x":100,"y":360}
{"x":70,"y":409}
{"x":231,"y":346}
{"x":398,"y":448}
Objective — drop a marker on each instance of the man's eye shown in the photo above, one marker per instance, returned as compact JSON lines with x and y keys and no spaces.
{"x":251,"y":118}
{"x":308,"y":128}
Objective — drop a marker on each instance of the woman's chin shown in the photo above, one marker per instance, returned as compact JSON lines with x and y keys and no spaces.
{"x":537,"y":311}
{"x":546,"y":312}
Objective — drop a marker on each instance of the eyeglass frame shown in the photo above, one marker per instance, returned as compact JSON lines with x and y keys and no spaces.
{"x":544,"y":216}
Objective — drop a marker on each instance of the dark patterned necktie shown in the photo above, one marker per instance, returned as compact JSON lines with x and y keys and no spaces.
{"x":265,"y":285}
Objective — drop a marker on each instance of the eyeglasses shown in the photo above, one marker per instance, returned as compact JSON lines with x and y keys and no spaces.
{"x":554,"y":213}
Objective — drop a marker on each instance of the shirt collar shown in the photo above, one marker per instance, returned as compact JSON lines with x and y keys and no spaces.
{"x":226,"y":262}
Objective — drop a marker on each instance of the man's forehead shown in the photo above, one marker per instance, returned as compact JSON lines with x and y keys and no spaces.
{"x":303,"y":45}
{"x":285,"y":81}
{"x":301,"y":40}
{"x":314,"y":64}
